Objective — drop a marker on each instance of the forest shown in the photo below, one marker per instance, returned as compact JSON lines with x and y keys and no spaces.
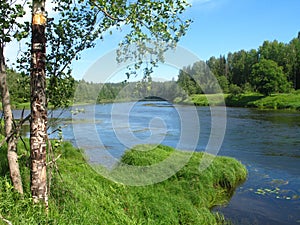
{"x":272,"y":68}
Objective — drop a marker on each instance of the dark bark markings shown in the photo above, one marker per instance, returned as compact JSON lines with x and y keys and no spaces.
{"x":38,"y":125}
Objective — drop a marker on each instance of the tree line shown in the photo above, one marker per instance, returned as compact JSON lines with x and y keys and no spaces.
{"x":60,"y":91}
{"x":272,"y":68}
{"x":81,"y":91}
{"x":126,"y":91}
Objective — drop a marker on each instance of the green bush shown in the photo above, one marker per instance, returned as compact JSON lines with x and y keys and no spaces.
{"x":235,"y":89}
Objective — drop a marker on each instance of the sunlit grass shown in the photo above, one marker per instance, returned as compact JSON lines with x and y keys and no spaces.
{"x":79,"y":195}
{"x":289,"y":101}
{"x":205,"y":99}
{"x":279,"y":101}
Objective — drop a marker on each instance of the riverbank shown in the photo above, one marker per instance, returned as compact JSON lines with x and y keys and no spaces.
{"x":22,"y":105}
{"x":289,"y":101}
{"x":79,"y":195}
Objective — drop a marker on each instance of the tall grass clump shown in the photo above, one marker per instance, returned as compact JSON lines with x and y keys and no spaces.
{"x":187,"y":196}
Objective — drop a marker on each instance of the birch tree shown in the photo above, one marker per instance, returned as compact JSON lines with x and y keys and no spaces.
{"x":10,"y":29}
{"x":38,"y":103}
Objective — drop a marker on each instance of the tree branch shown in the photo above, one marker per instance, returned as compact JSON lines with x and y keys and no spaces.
{"x":16,"y":130}
{"x":53,"y":160}
{"x":5,"y":220}
{"x":107,"y":14}
{"x":110,"y":16}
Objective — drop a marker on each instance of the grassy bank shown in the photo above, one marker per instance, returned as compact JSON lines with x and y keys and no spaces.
{"x":79,"y":195}
{"x":206,"y":100}
{"x":251,"y":100}
{"x":23,"y":105}
{"x":276,"y":101}
{"x":290,"y":101}
{"x":17,"y":105}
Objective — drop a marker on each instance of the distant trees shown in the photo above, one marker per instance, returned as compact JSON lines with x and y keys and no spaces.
{"x":109,"y":92}
{"x":294,"y":62}
{"x":274,"y":67}
{"x":19,"y":86}
{"x":198,"y":78}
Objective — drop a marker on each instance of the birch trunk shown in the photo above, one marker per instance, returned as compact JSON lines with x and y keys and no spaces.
{"x":38,"y":125}
{"x":12,"y":155}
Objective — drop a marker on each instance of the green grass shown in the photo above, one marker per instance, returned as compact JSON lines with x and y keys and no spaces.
{"x":204,"y":100}
{"x":23,"y":105}
{"x":79,"y":195}
{"x":289,"y":101}
{"x":243,"y":100}
{"x":279,"y":101}
{"x":18,"y":105}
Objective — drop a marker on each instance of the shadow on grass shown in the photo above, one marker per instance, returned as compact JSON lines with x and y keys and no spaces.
{"x":242,"y":100}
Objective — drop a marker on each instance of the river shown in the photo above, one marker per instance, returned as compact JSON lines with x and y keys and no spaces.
{"x":267,"y":142}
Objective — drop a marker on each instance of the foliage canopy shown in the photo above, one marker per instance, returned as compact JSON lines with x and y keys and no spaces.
{"x":268,"y":77}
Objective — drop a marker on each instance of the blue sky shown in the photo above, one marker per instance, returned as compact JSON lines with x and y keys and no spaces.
{"x":219,"y":27}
